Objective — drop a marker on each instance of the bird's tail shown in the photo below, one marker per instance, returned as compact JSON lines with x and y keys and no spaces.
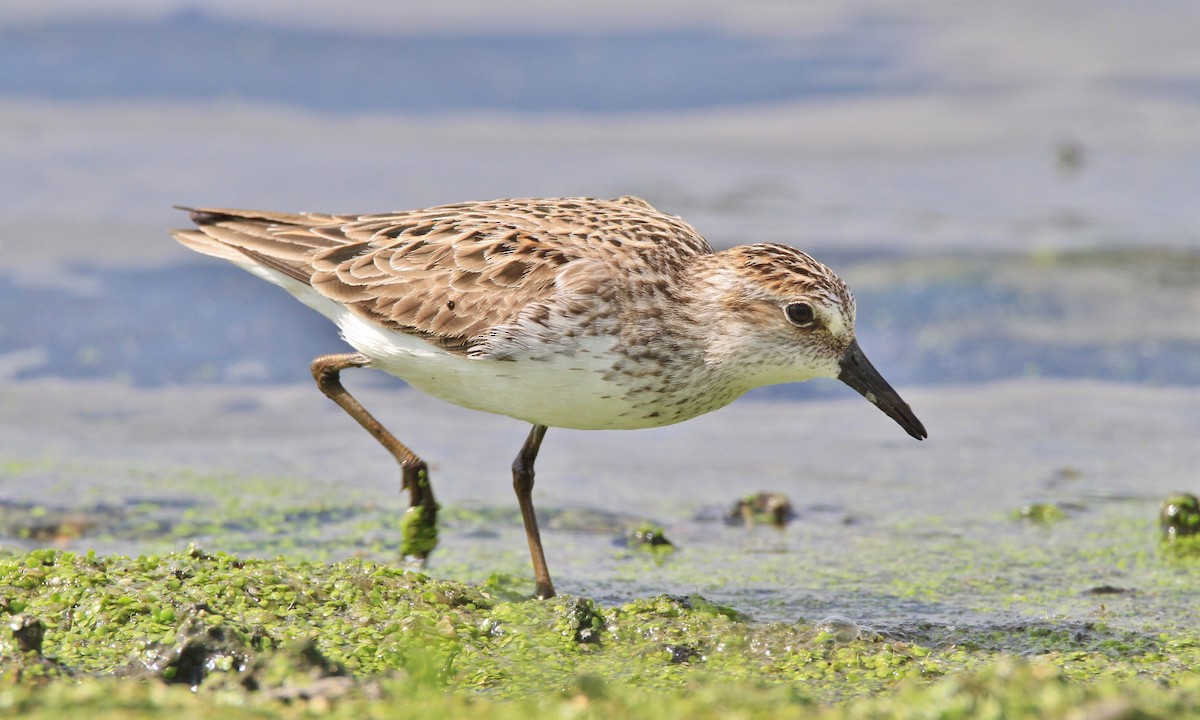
{"x":282,"y":242}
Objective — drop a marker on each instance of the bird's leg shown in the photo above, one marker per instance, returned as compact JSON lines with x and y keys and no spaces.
{"x":420,"y":526}
{"x":523,"y":484}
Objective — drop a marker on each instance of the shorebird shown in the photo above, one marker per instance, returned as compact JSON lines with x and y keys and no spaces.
{"x":562,"y":312}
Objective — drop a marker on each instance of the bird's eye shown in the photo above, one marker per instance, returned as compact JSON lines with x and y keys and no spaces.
{"x":799,"y":314}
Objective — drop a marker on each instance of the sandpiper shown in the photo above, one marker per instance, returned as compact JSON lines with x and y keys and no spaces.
{"x":562,"y":312}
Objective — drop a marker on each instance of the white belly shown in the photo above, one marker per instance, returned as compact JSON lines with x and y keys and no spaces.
{"x":571,"y":389}
{"x":561,"y":391}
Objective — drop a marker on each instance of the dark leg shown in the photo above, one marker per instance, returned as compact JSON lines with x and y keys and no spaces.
{"x":420,"y":529}
{"x":523,"y":484}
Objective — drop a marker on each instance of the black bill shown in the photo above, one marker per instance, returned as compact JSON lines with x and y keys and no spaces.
{"x":860,"y":374}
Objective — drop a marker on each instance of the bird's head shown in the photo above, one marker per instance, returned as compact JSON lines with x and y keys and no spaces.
{"x":781,"y":316}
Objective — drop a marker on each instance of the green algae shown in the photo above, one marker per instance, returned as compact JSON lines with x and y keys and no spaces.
{"x":356,"y":636}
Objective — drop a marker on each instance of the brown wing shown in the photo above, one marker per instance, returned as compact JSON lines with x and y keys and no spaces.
{"x":447,"y":273}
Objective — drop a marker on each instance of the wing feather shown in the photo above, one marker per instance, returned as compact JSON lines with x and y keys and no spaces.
{"x":448,"y":274}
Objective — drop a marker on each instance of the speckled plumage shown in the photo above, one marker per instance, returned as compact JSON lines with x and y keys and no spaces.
{"x":564,"y":312}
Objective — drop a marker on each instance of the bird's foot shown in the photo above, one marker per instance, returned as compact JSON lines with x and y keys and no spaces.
{"x":420,"y":520}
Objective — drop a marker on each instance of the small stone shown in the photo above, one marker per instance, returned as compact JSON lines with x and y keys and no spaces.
{"x":1041,"y":513}
{"x":650,"y":536}
{"x":28,"y":632}
{"x":762,"y":507}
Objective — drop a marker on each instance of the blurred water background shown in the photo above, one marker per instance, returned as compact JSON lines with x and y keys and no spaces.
{"x":855,"y":131}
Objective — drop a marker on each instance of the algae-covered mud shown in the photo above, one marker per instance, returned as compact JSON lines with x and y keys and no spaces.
{"x":277,"y":638}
